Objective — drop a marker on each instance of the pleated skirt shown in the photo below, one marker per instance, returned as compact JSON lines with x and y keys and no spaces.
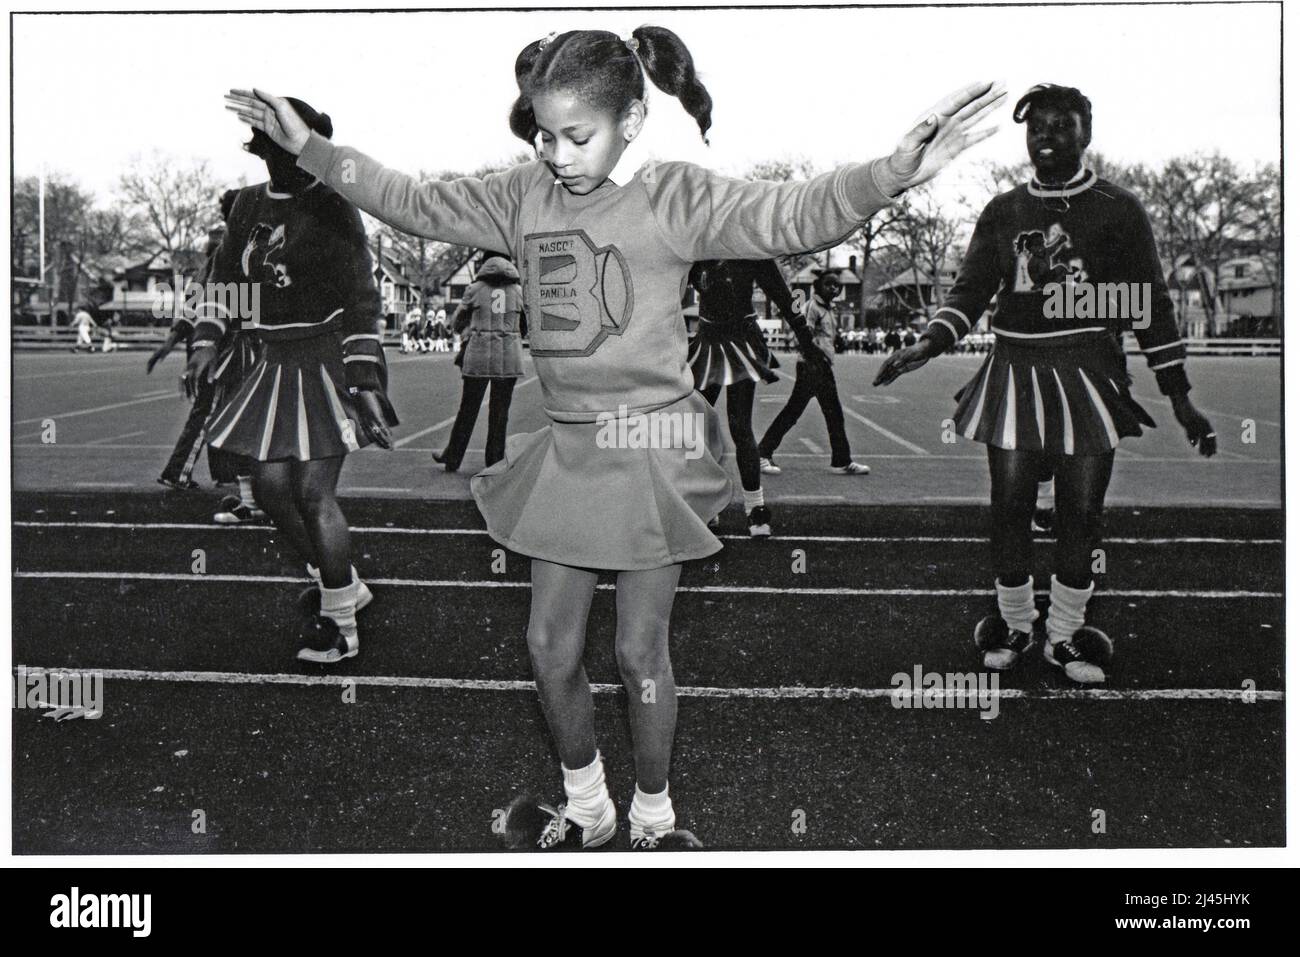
{"x":1071,"y":400}
{"x":292,"y":404}
{"x":565,"y":495}
{"x":725,"y":352}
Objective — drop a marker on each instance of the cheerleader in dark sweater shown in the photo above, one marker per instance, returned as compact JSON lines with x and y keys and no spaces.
{"x":729,"y":352}
{"x":1072,"y":261}
{"x":294,"y":269}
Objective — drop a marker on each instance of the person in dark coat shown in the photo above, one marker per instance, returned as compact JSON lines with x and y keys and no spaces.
{"x":491,"y":318}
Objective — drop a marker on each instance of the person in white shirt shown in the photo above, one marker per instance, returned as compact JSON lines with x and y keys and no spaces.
{"x":85,"y":325}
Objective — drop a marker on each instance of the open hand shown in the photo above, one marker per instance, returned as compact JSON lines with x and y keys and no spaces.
{"x":946,"y":131}
{"x":907,"y":359}
{"x":271,"y":114}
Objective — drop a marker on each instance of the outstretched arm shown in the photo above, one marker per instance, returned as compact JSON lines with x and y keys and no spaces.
{"x":706,"y":216}
{"x":466,"y":211}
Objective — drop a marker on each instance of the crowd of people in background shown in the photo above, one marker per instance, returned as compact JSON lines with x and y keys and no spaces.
{"x":427,"y":330}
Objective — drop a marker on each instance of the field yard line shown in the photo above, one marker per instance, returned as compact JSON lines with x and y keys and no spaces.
{"x":407,"y":440}
{"x":114,"y":438}
{"x":60,"y":375}
{"x":610,"y":586}
{"x":865,"y":539}
{"x":99,"y":408}
{"x":853,"y":413}
{"x":785,"y":692}
{"x":425,"y":450}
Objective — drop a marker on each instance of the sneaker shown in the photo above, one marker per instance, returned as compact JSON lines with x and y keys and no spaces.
{"x":324,"y":643}
{"x":760,"y":522}
{"x":1000,"y":647}
{"x":235,"y":512}
{"x":185,"y":485}
{"x":679,"y":840}
{"x":1044,"y":520}
{"x":1083,"y":657}
{"x":768,"y":468}
{"x":853,"y":468}
{"x":532,"y":823}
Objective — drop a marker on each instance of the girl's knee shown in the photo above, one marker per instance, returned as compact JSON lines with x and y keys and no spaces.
{"x":642,"y":650}
{"x":555,"y":651}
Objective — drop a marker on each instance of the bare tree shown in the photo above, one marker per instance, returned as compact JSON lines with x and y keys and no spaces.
{"x":925,"y":238}
{"x":77,"y":235}
{"x":175,"y":201}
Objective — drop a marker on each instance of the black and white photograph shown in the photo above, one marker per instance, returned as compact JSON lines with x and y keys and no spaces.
{"x":477,"y":435}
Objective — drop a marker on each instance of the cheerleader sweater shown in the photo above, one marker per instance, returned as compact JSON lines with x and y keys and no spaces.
{"x":293,"y":266}
{"x":1065,"y":264}
{"x":604,"y":273}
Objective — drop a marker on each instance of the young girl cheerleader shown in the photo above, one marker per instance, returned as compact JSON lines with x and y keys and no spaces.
{"x":729,"y":352}
{"x":1052,"y":398}
{"x":294,"y":268}
{"x":605,"y":249}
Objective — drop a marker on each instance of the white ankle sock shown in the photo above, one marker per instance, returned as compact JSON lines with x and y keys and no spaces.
{"x":314,"y":572}
{"x":651,"y":814}
{"x":586,"y":793}
{"x":1016,"y":605}
{"x":246,"y":490}
{"x":1067,"y":612}
{"x":1046,"y":494}
{"x":752,"y":499}
{"x":341,"y":605}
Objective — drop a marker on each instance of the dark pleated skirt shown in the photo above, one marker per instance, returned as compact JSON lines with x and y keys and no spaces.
{"x":725,"y":352}
{"x":292,"y":404}
{"x":1071,"y":400}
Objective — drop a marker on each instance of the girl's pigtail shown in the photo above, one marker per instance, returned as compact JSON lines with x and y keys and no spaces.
{"x":522,"y":122}
{"x":669,"y":65}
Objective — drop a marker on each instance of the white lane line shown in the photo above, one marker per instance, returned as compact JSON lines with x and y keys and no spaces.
{"x":407,"y":440}
{"x":135,"y":447}
{"x":865,"y":539}
{"x":813,"y":447}
{"x":610,"y":586}
{"x":781,"y":692}
{"x":60,"y":375}
{"x":105,"y":484}
{"x":930,"y":457}
{"x":853,"y":413}
{"x":99,"y":408}
{"x":114,"y":438}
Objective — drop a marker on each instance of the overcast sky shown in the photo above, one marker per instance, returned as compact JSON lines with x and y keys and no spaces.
{"x":432,"y":90}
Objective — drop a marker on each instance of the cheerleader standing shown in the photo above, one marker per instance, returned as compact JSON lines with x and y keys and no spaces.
{"x":605,"y":245}
{"x":295,"y":270}
{"x":729,"y":352}
{"x":1052,"y":398}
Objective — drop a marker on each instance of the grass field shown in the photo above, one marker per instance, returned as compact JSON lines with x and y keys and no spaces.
{"x":786,"y":678}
